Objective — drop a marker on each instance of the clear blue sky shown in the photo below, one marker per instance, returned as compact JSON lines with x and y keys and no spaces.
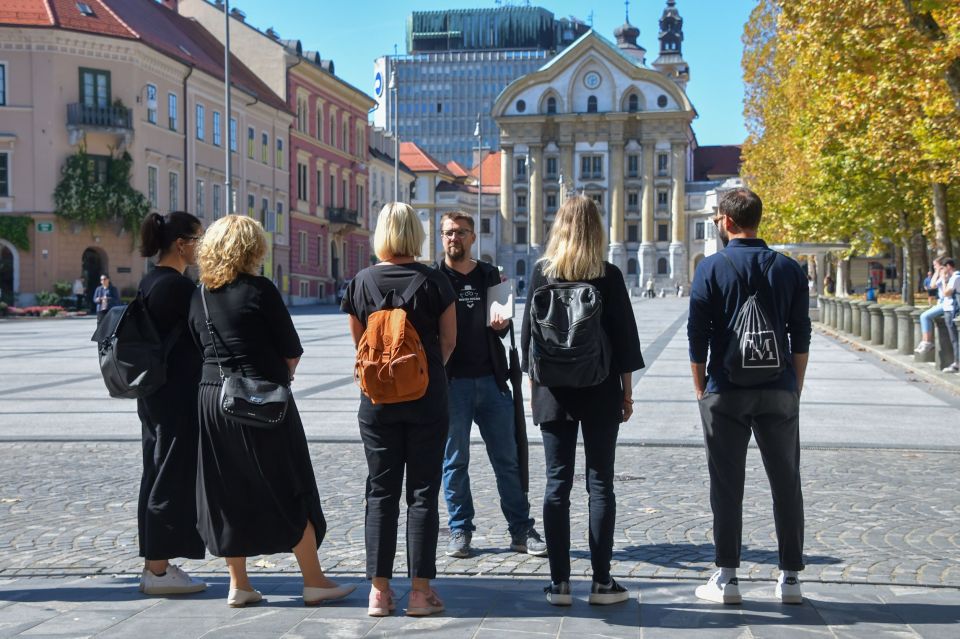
{"x":354,"y":32}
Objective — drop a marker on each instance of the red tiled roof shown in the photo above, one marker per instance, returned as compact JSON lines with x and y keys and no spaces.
{"x":713,"y":162}
{"x":184,"y":39}
{"x":491,"y":171}
{"x":456,"y":169}
{"x":156,"y":26}
{"x":419,"y":160}
{"x":25,"y":13}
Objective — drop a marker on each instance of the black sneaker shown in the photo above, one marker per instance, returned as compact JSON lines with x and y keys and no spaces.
{"x":459,"y":544}
{"x":606,"y":594}
{"x":529,"y":542}
{"x":559,"y":594}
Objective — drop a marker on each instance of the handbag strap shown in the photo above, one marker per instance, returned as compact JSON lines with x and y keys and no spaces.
{"x":210,"y":328}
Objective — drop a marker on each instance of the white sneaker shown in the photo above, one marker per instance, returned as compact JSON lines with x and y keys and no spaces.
{"x":952,"y":368}
{"x":788,"y":590}
{"x":717,"y":592}
{"x":923,"y":347}
{"x":173,"y":582}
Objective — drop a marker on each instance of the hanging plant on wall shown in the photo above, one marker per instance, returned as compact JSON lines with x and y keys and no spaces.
{"x":88,"y":198}
{"x":16,"y":230}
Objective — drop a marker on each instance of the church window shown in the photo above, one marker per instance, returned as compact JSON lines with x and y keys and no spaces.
{"x":633,"y":103}
{"x":592,"y":104}
{"x":551,"y":105}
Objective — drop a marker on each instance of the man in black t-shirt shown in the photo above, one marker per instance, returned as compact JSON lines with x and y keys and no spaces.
{"x":478,"y":392}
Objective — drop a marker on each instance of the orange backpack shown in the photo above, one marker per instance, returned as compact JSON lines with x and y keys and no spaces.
{"x":391,"y":362}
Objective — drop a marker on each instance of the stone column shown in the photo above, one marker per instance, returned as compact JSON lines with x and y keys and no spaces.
{"x":876,"y":324}
{"x":855,"y":311}
{"x":905,"y":342}
{"x":942,"y":346}
{"x":616,"y":254}
{"x":847,"y":316}
{"x":820,"y":261}
{"x":566,"y":165}
{"x":843,"y":267}
{"x":927,"y":356}
{"x":834,"y":307}
{"x":506,"y":197}
{"x":647,"y":255}
{"x":535,"y":200}
{"x":889,"y":326}
{"x":678,"y":248}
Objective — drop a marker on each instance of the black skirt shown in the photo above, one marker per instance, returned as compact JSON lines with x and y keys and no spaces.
{"x":167,"y":509}
{"x":255,"y":486}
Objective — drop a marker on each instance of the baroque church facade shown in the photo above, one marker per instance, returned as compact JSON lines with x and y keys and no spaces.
{"x":598,"y":120}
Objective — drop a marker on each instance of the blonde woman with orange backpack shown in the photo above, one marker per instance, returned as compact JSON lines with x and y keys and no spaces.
{"x":403,"y":321}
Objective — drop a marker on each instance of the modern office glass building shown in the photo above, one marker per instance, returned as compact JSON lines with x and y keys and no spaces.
{"x":457,"y":63}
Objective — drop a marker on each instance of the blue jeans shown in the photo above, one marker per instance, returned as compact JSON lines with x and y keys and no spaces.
{"x":928,"y":316}
{"x":481,"y":400}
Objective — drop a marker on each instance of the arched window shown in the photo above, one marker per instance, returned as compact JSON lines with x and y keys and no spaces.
{"x":592,"y":104}
{"x":551,"y":105}
{"x":521,"y":268}
{"x":662,"y":266}
{"x":631,"y":266}
{"x":633,"y":103}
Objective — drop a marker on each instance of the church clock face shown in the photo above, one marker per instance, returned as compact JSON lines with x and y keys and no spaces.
{"x":591,"y":80}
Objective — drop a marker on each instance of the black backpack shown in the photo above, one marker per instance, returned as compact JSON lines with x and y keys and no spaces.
{"x":568,"y":345}
{"x":756,"y":353}
{"x":133,"y":357}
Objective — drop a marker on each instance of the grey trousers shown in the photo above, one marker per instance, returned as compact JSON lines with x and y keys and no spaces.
{"x":774,"y":419}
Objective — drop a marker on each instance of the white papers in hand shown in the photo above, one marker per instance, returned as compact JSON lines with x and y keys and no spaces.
{"x":500,"y":301}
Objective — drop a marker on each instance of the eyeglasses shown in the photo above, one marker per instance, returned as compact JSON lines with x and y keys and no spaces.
{"x":452,"y":233}
{"x":716,"y":218}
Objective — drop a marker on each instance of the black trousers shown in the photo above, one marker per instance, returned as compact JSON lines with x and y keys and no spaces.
{"x":774,"y":419}
{"x":389,"y":449}
{"x":560,"y":450}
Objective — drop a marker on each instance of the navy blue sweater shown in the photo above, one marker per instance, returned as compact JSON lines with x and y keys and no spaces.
{"x":717,"y":295}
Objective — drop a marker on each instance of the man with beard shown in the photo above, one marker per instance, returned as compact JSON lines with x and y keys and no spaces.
{"x":765,"y":402}
{"x":478,"y":392}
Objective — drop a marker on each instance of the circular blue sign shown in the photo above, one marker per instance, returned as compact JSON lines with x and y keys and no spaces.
{"x":378,"y":84}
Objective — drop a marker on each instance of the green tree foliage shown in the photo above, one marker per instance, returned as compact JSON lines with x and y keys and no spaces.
{"x":852,"y":117}
{"x":16,"y":230}
{"x":81,"y":196}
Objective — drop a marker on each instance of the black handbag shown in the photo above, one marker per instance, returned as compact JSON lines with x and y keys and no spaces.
{"x":252,"y":402}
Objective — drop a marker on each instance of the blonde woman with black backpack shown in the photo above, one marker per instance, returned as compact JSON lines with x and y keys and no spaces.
{"x":580,"y":347}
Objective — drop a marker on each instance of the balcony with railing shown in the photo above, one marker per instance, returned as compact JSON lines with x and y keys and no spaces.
{"x":82,"y":118}
{"x":343,"y":215}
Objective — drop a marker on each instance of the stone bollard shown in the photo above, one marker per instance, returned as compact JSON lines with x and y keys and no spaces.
{"x":942,"y":346}
{"x":831,"y":311}
{"x":847,"y":316}
{"x":889,"y":326}
{"x":917,"y":336}
{"x":856,"y":308}
{"x":865,"y":324}
{"x":905,"y":341}
{"x":876,"y":324}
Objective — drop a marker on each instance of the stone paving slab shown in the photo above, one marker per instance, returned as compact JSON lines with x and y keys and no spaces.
{"x":873,"y":516}
{"x":501,"y":607}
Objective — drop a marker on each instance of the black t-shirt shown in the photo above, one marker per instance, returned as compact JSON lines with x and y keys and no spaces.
{"x":423,"y":311}
{"x":471,"y":357}
{"x":166,"y":295}
{"x":255,"y":334}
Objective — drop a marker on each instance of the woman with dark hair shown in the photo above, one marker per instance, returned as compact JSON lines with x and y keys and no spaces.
{"x":574,"y":253}
{"x":167,"y":511}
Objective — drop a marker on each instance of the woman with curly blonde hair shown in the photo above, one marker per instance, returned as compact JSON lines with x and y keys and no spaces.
{"x":256,"y":491}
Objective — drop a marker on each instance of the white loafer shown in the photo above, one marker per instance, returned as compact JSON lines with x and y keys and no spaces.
{"x":316,"y":596}
{"x":240,"y":598}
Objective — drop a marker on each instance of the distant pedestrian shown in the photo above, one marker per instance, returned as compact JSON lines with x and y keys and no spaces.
{"x":521,"y":286}
{"x":170,"y":430}
{"x":929,"y":316}
{"x":752,"y":382}
{"x":410,"y":435}
{"x":256,"y":491}
{"x":577,"y":284}
{"x":478,"y":392}
{"x":105,"y":297}
{"x":79,"y":289}
{"x":650,"y":290}
{"x":828,"y":285}
{"x":951,"y":290}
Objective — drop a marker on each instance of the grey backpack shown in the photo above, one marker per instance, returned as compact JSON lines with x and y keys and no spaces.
{"x":568,"y":344}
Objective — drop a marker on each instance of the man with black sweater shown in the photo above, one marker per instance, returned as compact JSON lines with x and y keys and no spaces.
{"x":478,"y":392}
{"x":769,"y":409}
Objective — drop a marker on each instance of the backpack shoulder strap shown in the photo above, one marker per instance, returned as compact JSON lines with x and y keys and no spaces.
{"x":414,"y":286}
{"x":763,"y":274}
{"x":369,"y":283}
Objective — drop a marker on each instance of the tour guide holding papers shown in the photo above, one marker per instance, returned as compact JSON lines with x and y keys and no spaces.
{"x":478,"y":391}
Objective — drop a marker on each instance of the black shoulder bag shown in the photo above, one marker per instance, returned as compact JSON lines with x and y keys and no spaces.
{"x":251,"y":402}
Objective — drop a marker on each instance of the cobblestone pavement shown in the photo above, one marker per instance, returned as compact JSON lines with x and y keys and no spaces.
{"x":873,"y":516}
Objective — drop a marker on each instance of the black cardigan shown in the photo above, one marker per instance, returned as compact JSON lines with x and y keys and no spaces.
{"x":603,"y":402}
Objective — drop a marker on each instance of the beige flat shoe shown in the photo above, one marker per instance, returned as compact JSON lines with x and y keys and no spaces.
{"x":240,"y":598}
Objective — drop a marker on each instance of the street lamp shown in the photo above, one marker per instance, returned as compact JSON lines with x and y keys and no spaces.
{"x":396,"y":135}
{"x":227,"y":103}
{"x":479,"y":135}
